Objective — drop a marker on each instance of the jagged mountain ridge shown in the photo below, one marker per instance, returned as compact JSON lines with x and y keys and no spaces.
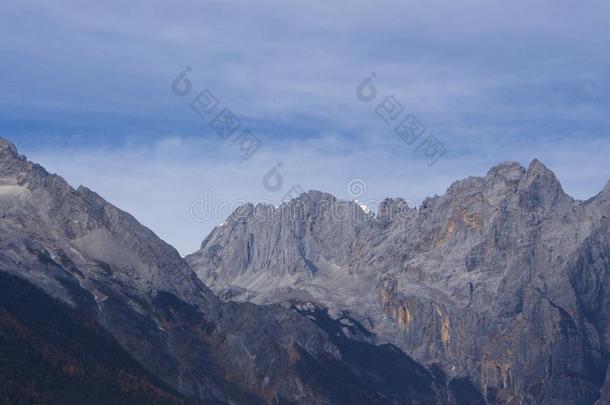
{"x":497,"y":279}
{"x":101,"y":262}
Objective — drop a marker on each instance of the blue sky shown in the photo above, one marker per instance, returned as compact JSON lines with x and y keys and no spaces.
{"x":85,"y":89}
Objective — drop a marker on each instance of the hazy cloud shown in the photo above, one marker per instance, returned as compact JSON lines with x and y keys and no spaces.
{"x":85,"y":89}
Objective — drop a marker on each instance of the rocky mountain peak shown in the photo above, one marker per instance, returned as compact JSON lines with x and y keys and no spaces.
{"x":312,"y":202}
{"x":316,"y":196}
{"x":391,"y":208}
{"x":308,"y":235}
{"x":499,"y":184}
{"x":243,"y":211}
{"x":87,"y":231}
{"x":507,"y":170}
{"x":8,"y":151}
{"x":537,"y":168}
{"x":17,"y":170}
{"x":7,"y":146}
{"x":309,"y":203}
{"x":540,"y":188}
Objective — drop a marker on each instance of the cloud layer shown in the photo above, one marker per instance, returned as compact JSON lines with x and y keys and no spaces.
{"x":85,"y":89}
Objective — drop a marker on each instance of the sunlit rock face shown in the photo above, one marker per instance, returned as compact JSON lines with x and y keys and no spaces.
{"x":503,"y":279}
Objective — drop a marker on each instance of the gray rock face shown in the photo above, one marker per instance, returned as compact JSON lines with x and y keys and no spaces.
{"x":90,"y":255}
{"x":293,"y":243}
{"x":504,"y":279}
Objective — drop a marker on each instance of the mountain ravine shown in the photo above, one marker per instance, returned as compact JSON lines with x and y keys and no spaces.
{"x":97,"y":309}
{"x":504,"y":280}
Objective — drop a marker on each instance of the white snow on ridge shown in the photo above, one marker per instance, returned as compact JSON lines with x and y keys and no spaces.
{"x":363,"y":207}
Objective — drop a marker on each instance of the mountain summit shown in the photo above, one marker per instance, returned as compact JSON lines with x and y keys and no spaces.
{"x":504,"y":279}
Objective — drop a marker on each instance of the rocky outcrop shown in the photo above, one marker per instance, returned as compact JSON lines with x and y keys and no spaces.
{"x":502,"y":280}
{"x":309,"y":236}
